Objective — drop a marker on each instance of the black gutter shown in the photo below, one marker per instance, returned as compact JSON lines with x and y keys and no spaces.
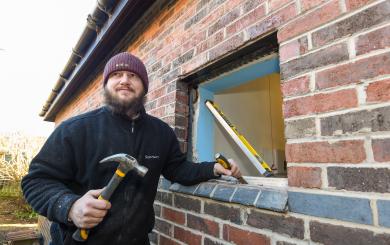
{"x":106,"y":26}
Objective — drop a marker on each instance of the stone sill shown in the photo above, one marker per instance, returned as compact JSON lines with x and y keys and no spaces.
{"x":267,"y":196}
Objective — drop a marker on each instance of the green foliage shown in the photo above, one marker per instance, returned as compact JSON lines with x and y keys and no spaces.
{"x":24,"y":215}
{"x":16,"y":153}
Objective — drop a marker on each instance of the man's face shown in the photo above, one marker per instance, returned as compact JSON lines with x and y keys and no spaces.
{"x":124,"y":90}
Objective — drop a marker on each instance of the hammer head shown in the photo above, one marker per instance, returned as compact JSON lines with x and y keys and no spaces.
{"x":126,"y":163}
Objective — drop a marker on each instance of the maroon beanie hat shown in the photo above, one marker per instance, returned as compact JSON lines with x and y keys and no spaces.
{"x":126,"y":62}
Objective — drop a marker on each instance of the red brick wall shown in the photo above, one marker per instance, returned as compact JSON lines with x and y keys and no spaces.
{"x":335,"y":68}
{"x":336,"y":76}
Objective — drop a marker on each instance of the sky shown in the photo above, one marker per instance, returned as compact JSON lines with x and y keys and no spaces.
{"x":36,"y":41}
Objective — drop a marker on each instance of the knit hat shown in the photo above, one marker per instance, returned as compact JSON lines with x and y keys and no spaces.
{"x":126,"y":62}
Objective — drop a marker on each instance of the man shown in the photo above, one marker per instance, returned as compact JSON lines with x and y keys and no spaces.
{"x":65,"y":178}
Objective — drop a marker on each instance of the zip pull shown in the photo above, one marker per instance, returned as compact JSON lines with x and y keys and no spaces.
{"x":132,"y":126}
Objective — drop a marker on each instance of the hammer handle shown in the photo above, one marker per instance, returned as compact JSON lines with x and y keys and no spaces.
{"x":111,"y":186}
{"x":81,"y":234}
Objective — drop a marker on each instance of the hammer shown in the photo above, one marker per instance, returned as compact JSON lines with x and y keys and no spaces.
{"x":126,"y":163}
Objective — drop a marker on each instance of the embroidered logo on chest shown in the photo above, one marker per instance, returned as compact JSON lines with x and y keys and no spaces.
{"x":151,"y":157}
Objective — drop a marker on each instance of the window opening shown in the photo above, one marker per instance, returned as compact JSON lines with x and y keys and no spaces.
{"x":250,"y":97}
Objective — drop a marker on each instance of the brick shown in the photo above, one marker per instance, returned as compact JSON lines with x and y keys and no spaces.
{"x":226,"y":47}
{"x":378,"y":39}
{"x":150,"y":106}
{"x":284,"y":243}
{"x":231,"y":4}
{"x":347,"y":151}
{"x":378,"y":91}
{"x":208,"y":241}
{"x":319,"y":103}
{"x":213,"y":14}
{"x":310,"y":21}
{"x":245,"y":21}
{"x":353,"y":4}
{"x":183,"y":58}
{"x":183,"y":146}
{"x":183,"y":189}
{"x":381,"y":149}
{"x":164,"y":183}
{"x":181,"y":121}
{"x":293,"y":49}
{"x":153,"y":237}
{"x":179,"y":110}
{"x":224,"y":21}
{"x":157,"y":210}
{"x":167,"y":34}
{"x":205,"y":189}
{"x":383,"y":212}
{"x":155,"y":67}
{"x":375,"y":120}
{"x":167,"y":241}
{"x":272,"y":199}
{"x":360,"y":179}
{"x":163,"y":227}
{"x":309,"y":62}
{"x":309,"y":4}
{"x":210,"y":42}
{"x":202,"y":224}
{"x":186,"y":236}
{"x":223,"y":192}
{"x":164,"y":197}
{"x":196,"y":18}
{"x":173,"y":215}
{"x":356,"y":210}
{"x":216,"y":3}
{"x":245,"y":196}
{"x":297,"y":86}
{"x":195,"y":63}
{"x":201,"y":4}
{"x":275,"y":4}
{"x":375,"y":15}
{"x":177,"y":86}
{"x":171,"y":76}
{"x":181,"y":97}
{"x":156,"y":93}
{"x":251,"y":5}
{"x":164,"y":70}
{"x":291,"y":226}
{"x":243,"y":237}
{"x":272,"y":22}
{"x":307,"y":177}
{"x":300,"y":128}
{"x":187,"y":203}
{"x":223,"y":212}
{"x":329,"y":234}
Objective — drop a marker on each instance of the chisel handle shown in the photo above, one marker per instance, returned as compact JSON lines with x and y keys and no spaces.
{"x":223,"y":161}
{"x":226,"y":164}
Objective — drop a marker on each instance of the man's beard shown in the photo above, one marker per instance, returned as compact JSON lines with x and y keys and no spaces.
{"x":127,"y":108}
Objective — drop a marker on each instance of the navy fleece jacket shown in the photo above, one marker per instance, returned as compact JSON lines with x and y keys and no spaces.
{"x":68,"y":166}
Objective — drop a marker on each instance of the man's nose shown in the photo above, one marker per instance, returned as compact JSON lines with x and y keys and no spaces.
{"x":125,"y":78}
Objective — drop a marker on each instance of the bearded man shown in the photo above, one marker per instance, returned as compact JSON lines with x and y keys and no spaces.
{"x":65,"y":178}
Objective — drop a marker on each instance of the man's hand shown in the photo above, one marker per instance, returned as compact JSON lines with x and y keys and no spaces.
{"x":88,"y":211}
{"x":234,"y":171}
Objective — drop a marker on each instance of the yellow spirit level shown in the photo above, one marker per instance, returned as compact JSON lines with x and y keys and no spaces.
{"x":240,"y":140}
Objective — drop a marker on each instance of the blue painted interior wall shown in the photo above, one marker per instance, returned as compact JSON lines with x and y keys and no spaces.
{"x":205,"y":127}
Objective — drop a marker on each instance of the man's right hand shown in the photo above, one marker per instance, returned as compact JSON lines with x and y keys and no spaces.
{"x":88,"y":211}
